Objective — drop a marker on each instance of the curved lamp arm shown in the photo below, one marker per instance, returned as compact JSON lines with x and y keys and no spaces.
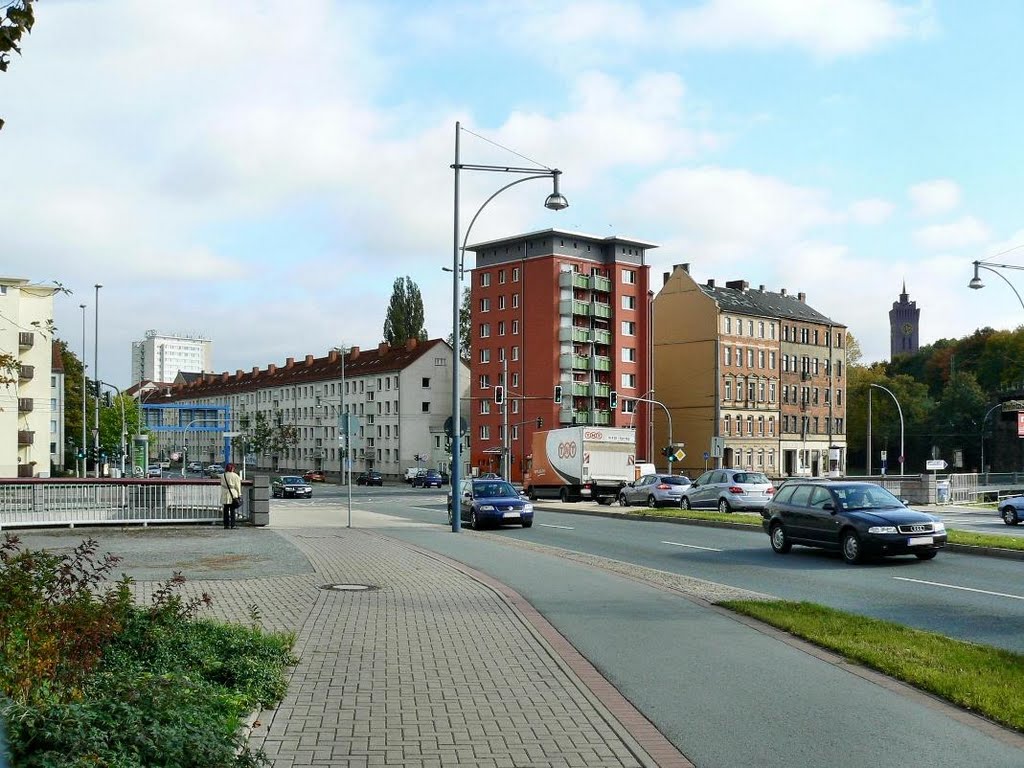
{"x":976,"y":282}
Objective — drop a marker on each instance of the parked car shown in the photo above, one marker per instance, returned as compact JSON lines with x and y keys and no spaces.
{"x":654,"y":491}
{"x":313,"y":475}
{"x":215,"y":470}
{"x":194,"y":466}
{"x":490,"y":476}
{"x":290,"y":487}
{"x":491,"y":502}
{"x":411,"y":472}
{"x":430,"y":478}
{"x":728,"y":490}
{"x":373,"y":477}
{"x":859,"y":519}
{"x":153,"y":470}
{"x":1011,"y":509}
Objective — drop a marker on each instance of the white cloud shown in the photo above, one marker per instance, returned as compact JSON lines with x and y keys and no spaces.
{"x":871,"y":212}
{"x":931,"y":198}
{"x":965,"y":231}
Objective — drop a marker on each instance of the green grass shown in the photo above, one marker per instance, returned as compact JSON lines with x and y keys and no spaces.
{"x":966,"y":538}
{"x":984,"y":680}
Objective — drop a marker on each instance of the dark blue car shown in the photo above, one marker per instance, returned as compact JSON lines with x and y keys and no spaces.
{"x":491,"y":502}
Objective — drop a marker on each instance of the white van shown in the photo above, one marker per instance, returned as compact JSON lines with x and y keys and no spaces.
{"x":644,"y":469}
{"x":410,"y":473}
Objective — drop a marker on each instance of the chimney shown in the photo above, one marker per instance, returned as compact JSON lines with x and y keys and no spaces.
{"x":238,"y":373}
{"x":289,"y":362}
{"x":383,"y":348}
{"x":353,"y":353}
{"x":685,"y":267}
{"x":782,"y":292}
{"x":739,"y":285}
{"x":332,"y":356}
{"x":271,"y":368}
{"x":309,"y":360}
{"x":411,"y":344}
{"x":801,"y":296}
{"x":664,"y":277}
{"x":225,"y":376}
{"x":255,"y":370}
{"x":761,"y":288}
{"x":711,"y":283}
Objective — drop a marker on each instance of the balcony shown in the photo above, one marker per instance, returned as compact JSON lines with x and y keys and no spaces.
{"x":580,"y":389}
{"x":583,"y":417}
{"x":601,"y":363}
{"x":602,"y":390}
{"x":26,"y":339}
{"x":565,"y":414}
{"x":26,"y":372}
{"x":25,"y":404}
{"x":599,"y":309}
{"x":601,"y":336}
{"x":599,"y":283}
{"x":26,"y":437}
{"x":569,"y":361}
{"x":25,"y":470}
{"x":573,"y":280}
{"x":602,"y":418}
{"x":574,"y":333}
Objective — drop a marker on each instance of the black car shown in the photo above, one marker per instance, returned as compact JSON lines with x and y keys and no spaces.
{"x":859,"y":519}
{"x":291,"y":487}
{"x":430,"y":478}
{"x":373,"y":477}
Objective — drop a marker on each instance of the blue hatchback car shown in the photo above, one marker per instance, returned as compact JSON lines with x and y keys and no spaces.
{"x":486,"y":502}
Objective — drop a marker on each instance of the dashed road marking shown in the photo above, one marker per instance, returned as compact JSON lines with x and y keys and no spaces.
{"x":563,"y":527}
{"x":955,"y":586}
{"x":692,"y":546}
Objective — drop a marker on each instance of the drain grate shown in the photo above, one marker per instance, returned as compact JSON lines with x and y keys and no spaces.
{"x":348,"y":587}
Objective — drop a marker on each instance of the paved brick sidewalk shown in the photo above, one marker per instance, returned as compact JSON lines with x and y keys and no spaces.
{"x":430,"y":667}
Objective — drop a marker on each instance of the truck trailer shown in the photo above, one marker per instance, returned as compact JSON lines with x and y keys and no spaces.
{"x":576,"y":463}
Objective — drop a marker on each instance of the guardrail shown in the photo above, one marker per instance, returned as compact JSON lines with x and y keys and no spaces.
{"x":82,"y":501}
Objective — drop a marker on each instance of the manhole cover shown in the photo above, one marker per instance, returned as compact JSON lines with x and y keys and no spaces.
{"x":347,"y":587}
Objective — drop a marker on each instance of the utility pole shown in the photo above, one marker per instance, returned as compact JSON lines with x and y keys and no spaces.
{"x":504,"y":421}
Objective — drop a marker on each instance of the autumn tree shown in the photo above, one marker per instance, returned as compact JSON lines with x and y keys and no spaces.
{"x":16,"y":21}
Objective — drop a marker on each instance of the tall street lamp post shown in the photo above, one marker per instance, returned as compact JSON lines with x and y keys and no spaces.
{"x":96,"y":376}
{"x":555,"y":202}
{"x":85,"y":399}
{"x":976,"y":283}
{"x":344,"y":430}
{"x":898,"y":408}
{"x":668,"y":415}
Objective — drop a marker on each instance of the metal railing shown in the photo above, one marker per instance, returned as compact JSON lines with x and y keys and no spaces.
{"x":72,"y":501}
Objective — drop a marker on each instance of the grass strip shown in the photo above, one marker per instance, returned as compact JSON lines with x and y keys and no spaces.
{"x":971,"y":539}
{"x":984,"y":680}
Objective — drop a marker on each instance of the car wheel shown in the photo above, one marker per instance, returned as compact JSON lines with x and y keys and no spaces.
{"x":684,"y":503}
{"x":451,"y":517}
{"x":475,"y":523}
{"x":652,"y":503}
{"x":780,"y":541}
{"x":723,"y":506}
{"x":622,"y":500}
{"x":929,"y":555}
{"x":851,"y":548}
{"x":527,"y":523}
{"x":1010,"y":516}
{"x":563,"y":495}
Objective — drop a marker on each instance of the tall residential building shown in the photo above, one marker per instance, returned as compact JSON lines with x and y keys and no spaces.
{"x":26,"y":316}
{"x":904,"y":326}
{"x":160,"y":357}
{"x":398,"y":397}
{"x":752,"y":379}
{"x":557,"y":309}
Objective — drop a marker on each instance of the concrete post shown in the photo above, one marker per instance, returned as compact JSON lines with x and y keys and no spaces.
{"x":259,"y":500}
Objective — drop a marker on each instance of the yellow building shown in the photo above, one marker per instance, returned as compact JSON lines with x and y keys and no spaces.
{"x":751,"y":379}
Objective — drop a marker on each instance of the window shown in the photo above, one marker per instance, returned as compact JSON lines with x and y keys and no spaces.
{"x":425,"y":406}
{"x":628,"y":355}
{"x":424,"y":382}
{"x":515,"y":406}
{"x":728,"y":389}
{"x":728,"y":325}
{"x":485,"y":355}
{"x":485,"y":305}
{"x":628,"y":328}
{"x":771,"y":391}
{"x":629,"y":276}
{"x":515,"y":353}
{"x":515,"y":301}
{"x":485,"y":381}
{"x":515,"y":274}
{"x":760,"y":426}
{"x":629,"y":302}
{"x":485,"y":330}
{"x":501,"y":327}
{"x":515,"y":327}
{"x":739,"y":357}
{"x":515,"y":379}
{"x":752,"y":390}
{"x":771,"y":360}
{"x":771,"y":426}
{"x":485,"y":406}
{"x":761,"y":387}
{"x":839,"y":397}
{"x":750,"y":327}
{"x":728,"y":355}
{"x":501,"y":276}
{"x":760,"y":358}
{"x":485,"y":279}
{"x":727,"y":424}
{"x":785,"y":363}
{"x":771,"y":328}
{"x":760,"y":329}
{"x":501,"y":354}
{"x":485,"y":432}
{"x":501,"y":301}
{"x":629,"y":381}
{"x":739,"y":326}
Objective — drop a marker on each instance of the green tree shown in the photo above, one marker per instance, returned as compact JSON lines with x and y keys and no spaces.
{"x":404,"y":320}
{"x":956,"y":420}
{"x":853,"y":353}
{"x":16,"y":21}
{"x":266,"y":437}
{"x":111,"y":424}
{"x":73,"y":394}
{"x":917,"y":407}
{"x":465,"y":326}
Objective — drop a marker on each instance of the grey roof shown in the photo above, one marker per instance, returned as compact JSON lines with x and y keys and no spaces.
{"x":766,"y":304}
{"x":554,"y":232}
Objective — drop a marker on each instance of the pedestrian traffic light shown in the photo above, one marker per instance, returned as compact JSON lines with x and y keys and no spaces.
{"x":540,"y":422}
{"x":613,"y":399}
{"x":499,"y":395}
{"x":558,"y":393}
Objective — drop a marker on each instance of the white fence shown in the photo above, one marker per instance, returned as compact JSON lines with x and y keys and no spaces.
{"x":71,"y":502}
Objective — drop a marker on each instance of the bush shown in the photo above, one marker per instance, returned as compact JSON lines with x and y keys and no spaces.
{"x":121,"y":685}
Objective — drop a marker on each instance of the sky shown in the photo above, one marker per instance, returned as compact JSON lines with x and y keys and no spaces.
{"x":261,"y":173}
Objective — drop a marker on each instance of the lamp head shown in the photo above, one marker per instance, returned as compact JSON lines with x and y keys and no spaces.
{"x":556,"y":200}
{"x":976,"y":280}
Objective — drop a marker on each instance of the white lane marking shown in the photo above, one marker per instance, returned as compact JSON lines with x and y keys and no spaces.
{"x":563,"y":527}
{"x":965,"y":589}
{"x":692,"y":546}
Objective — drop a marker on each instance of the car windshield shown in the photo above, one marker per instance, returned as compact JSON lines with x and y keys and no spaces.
{"x":866,"y":497}
{"x":495,"y":490}
{"x":751,"y":478}
{"x":292,"y":480}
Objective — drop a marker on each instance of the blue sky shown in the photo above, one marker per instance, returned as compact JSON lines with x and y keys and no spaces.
{"x":263,"y":176}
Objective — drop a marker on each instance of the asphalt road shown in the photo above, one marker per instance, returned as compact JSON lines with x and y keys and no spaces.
{"x":725,"y":694}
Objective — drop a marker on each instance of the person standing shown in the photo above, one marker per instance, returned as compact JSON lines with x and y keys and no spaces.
{"x":230,"y":495}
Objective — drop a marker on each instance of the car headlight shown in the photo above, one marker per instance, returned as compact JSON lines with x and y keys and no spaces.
{"x":527,"y":508}
{"x":486,"y":507}
{"x":882,"y":529}
{"x":938,"y":527}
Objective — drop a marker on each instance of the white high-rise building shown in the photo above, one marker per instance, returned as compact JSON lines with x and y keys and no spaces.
{"x":26,"y":317}
{"x":161,"y":357}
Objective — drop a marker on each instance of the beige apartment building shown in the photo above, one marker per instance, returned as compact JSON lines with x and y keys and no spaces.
{"x":751,"y":378}
{"x":26,"y":316}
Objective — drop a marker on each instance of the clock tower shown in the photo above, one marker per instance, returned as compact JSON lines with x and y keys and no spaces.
{"x":904,"y":323}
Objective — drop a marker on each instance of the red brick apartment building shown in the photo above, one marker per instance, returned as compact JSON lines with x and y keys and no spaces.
{"x":557,"y":309}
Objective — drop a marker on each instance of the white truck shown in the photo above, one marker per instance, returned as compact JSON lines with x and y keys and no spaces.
{"x":576,"y":463}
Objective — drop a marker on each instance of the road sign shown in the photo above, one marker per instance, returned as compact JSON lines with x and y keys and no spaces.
{"x":679,"y":455}
{"x":885,"y":455}
{"x":706,"y":455}
{"x":717,"y":447}
{"x":1020,"y":423}
{"x":934,"y":464}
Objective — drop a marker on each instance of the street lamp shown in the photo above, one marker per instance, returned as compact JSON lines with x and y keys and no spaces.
{"x":976,"y":283}
{"x":343,"y":422}
{"x":555,"y":202}
{"x":668,"y":415}
{"x":898,"y":408}
{"x":96,"y":376}
{"x":184,"y":446}
{"x":85,"y":398}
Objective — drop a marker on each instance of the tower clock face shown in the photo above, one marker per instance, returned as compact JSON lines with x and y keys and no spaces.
{"x":907,"y":329}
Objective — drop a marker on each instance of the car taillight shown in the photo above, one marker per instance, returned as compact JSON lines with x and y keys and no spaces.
{"x":770,"y":490}
{"x":664,"y":487}
{"x":735,"y":489}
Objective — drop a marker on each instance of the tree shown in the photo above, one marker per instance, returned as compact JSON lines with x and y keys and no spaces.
{"x":404,"y":320}
{"x":111,"y":424}
{"x":16,"y":21}
{"x":465,"y":327}
{"x":853,"y":353}
{"x":266,"y":438}
{"x":73,"y":394}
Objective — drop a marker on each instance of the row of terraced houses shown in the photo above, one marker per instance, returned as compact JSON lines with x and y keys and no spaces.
{"x":749,"y":377}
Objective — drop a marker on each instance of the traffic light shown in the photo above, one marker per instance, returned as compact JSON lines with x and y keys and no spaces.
{"x":558,"y":393}
{"x":540,"y":422}
{"x":499,"y":395}
{"x":107,"y":402}
{"x":613,"y":399}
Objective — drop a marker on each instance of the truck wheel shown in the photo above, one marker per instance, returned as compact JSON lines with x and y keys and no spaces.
{"x":563,"y":495}
{"x":531,"y":493}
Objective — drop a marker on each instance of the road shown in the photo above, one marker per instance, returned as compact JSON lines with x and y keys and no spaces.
{"x":725,"y":694}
